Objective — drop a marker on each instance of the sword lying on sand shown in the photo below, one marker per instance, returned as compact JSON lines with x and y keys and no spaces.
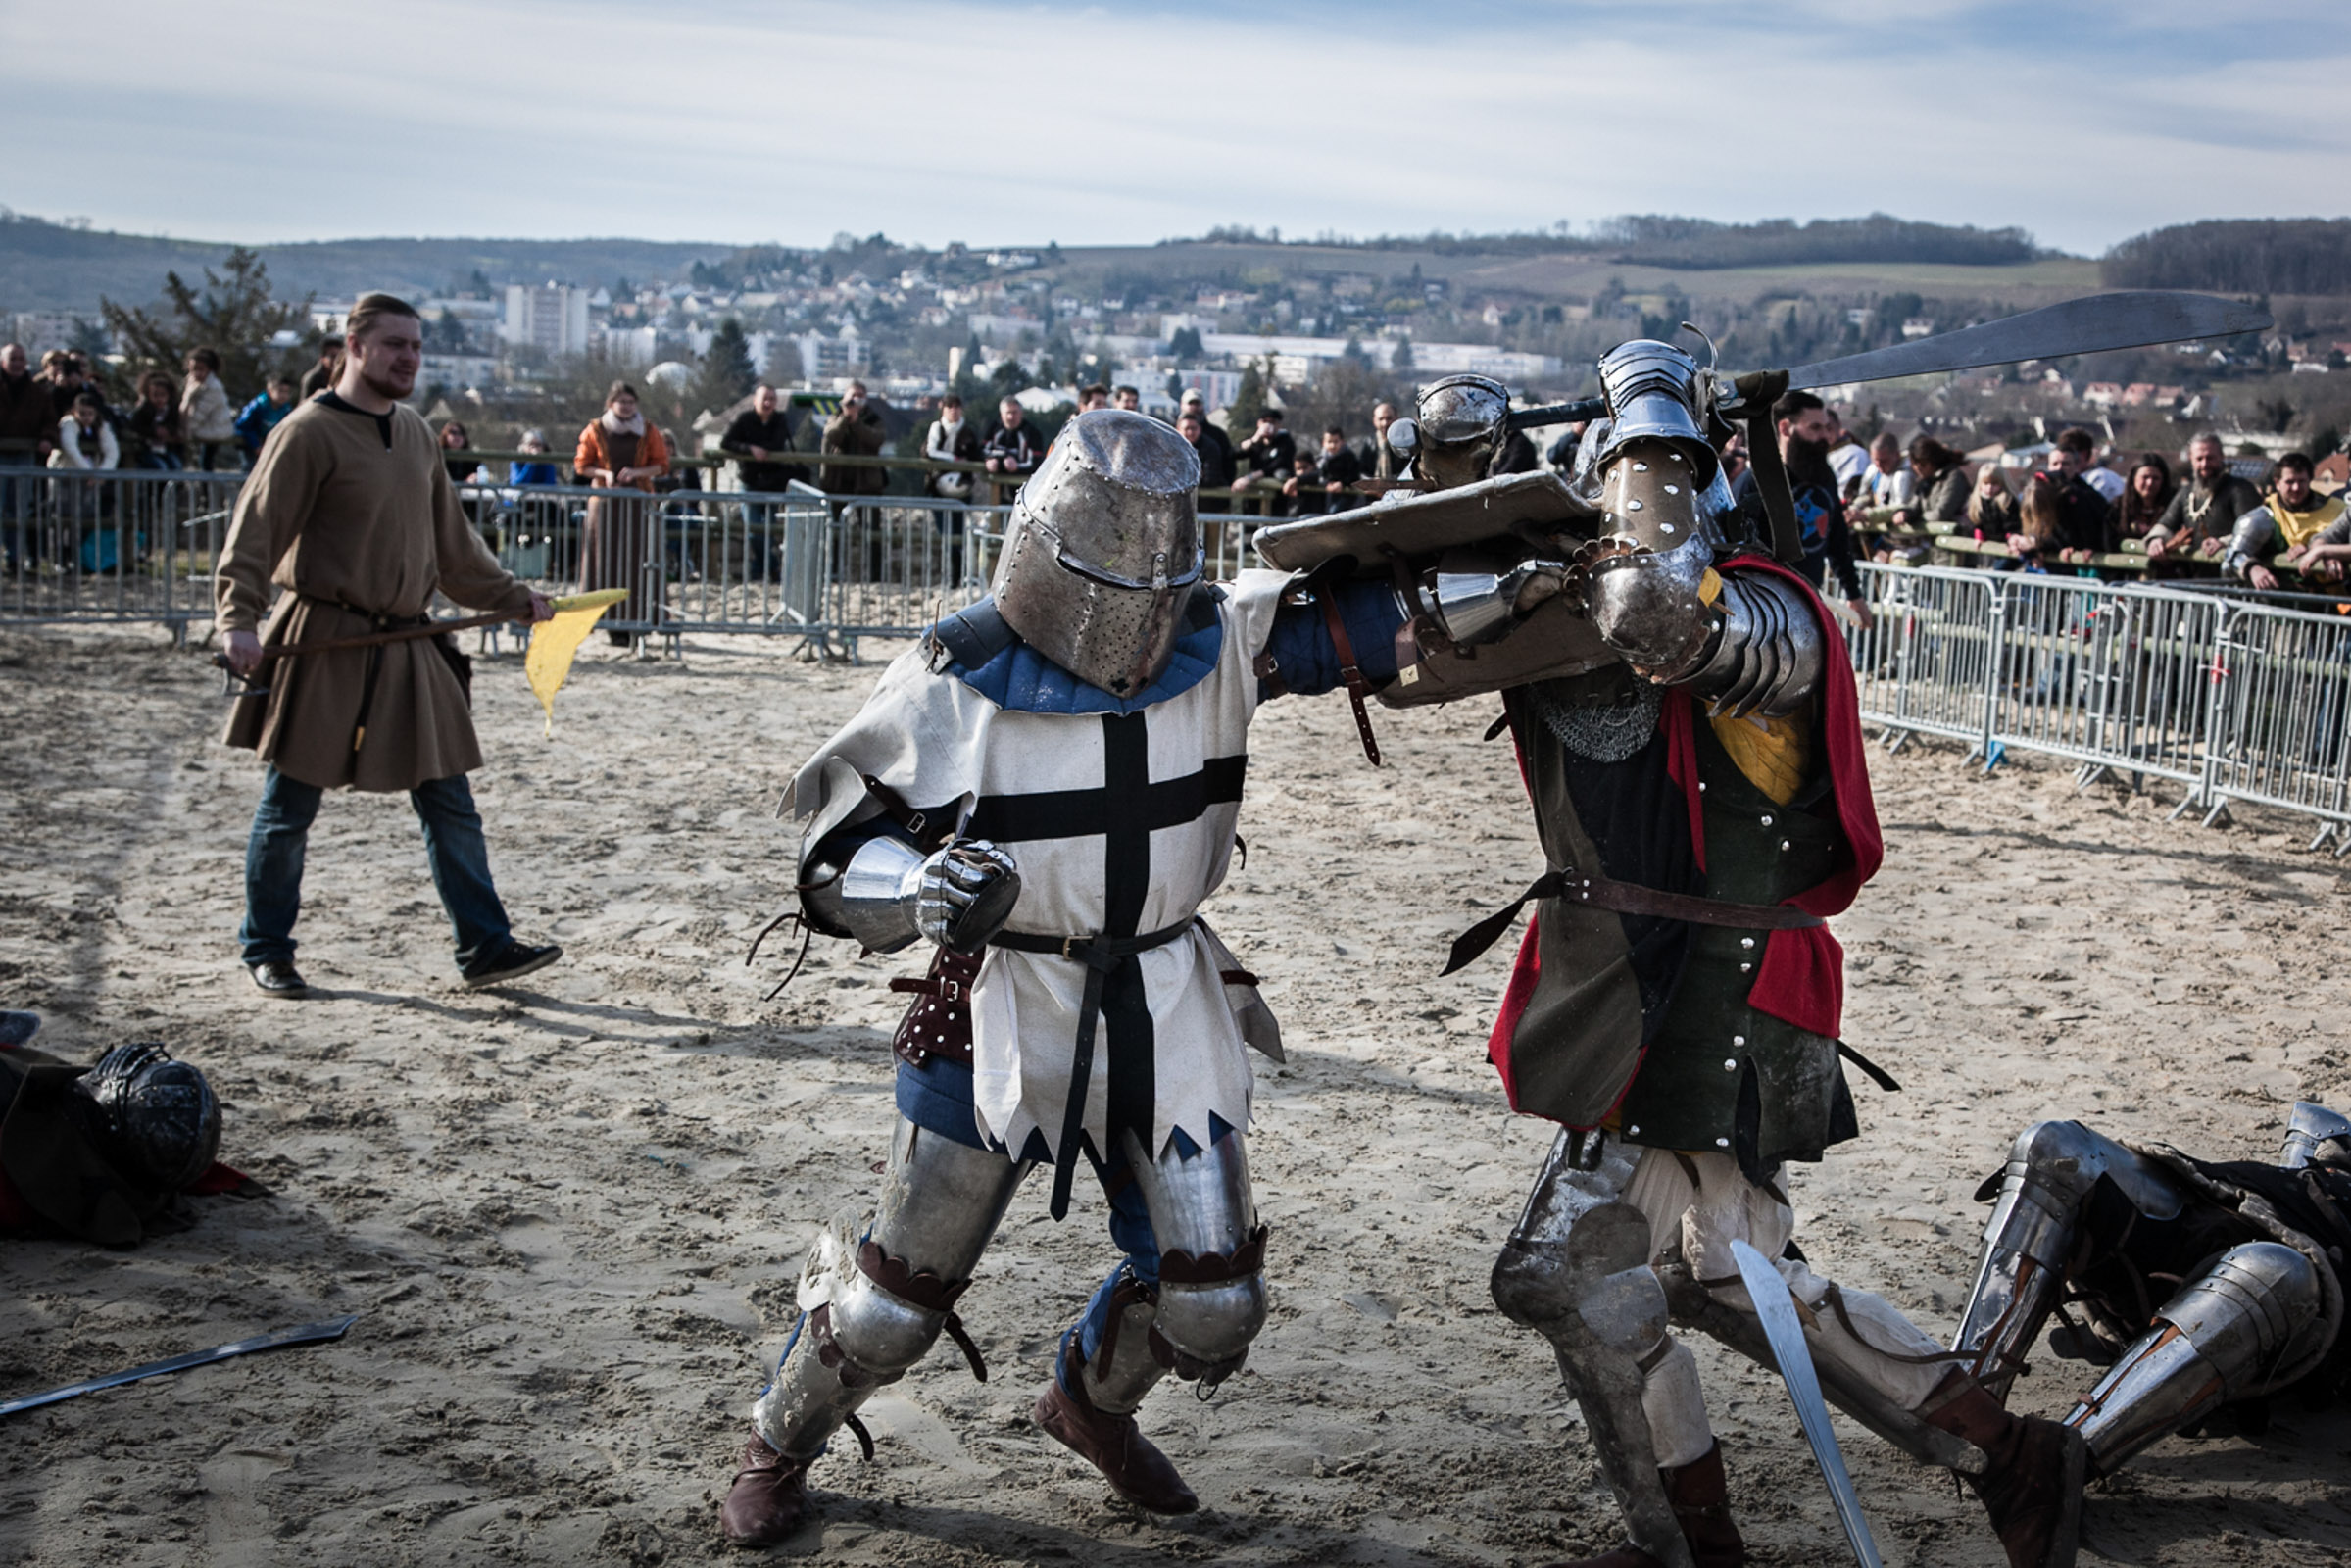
{"x":1776,"y":1308}
{"x":279,"y":1339}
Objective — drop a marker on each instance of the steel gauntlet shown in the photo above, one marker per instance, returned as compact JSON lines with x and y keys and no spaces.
{"x":888,"y":893}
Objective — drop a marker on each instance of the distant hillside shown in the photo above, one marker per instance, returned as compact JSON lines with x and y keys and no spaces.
{"x":1656,"y":239}
{"x":2241,"y":256}
{"x":49,"y":267}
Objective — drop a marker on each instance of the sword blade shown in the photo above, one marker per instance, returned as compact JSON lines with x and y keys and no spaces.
{"x":276,"y":1339}
{"x":1776,"y":1308}
{"x":2130,"y":319}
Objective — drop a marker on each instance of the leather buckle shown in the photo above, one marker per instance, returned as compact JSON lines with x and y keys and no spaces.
{"x":1068,"y":947}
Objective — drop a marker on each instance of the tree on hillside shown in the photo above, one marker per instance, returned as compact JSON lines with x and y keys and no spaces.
{"x":233,"y":315}
{"x":727,"y":373}
{"x":1249,"y":399}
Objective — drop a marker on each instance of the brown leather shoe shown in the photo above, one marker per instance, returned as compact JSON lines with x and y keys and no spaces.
{"x":1700,"y":1494}
{"x":2032,"y":1486}
{"x":1136,"y":1470}
{"x":768,"y":1501}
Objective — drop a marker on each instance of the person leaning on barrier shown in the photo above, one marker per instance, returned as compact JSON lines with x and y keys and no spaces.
{"x":84,"y":440}
{"x":755,"y":438}
{"x":2086,"y":517}
{"x":25,"y":413}
{"x":1939,"y":486}
{"x":457,"y":443}
{"x":951,"y":439}
{"x":1804,"y":424}
{"x":1337,"y":469}
{"x":1268,"y":458}
{"x":321,"y":376}
{"x":1214,"y":435}
{"x":2329,"y":552}
{"x":1215,"y":467}
{"x":2204,"y":511}
{"x":534,"y":468}
{"x":2281,"y":527}
{"x":159,"y":436}
{"x":263,"y":415}
{"x":856,"y":430}
{"x":619,"y":450}
{"x":351,"y":519}
{"x":204,"y":408}
{"x":1992,"y":511}
{"x":2146,"y":496}
{"x":1013,"y":449}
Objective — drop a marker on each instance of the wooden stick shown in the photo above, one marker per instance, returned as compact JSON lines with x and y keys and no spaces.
{"x":401,"y":635}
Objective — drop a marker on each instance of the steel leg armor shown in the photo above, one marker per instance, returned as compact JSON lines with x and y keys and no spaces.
{"x":2052,"y":1168}
{"x":1576,"y":1271}
{"x":1211,"y":1300}
{"x":2222,"y":1337}
{"x":870,"y":1318}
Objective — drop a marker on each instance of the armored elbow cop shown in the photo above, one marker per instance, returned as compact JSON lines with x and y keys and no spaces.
{"x":886,"y":894}
{"x":1766,"y":653}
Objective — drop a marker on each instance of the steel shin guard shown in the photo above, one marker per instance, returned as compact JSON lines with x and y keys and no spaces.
{"x":871,"y":1317}
{"x":2316,"y":1136}
{"x":2227,"y":1335}
{"x":1576,"y":1271}
{"x":1123,"y":1368}
{"x":1212,"y":1249}
{"x":2052,"y":1168}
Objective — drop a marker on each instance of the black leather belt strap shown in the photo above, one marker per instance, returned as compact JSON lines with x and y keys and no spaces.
{"x":1102,"y":957}
{"x":1625,"y":898}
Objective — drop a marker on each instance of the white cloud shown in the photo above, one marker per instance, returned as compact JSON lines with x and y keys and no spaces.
{"x":250,"y":119}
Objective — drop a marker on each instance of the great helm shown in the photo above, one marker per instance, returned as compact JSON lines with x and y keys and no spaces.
{"x":1103,"y":548}
{"x":1463,"y":422}
{"x":158,"y":1121}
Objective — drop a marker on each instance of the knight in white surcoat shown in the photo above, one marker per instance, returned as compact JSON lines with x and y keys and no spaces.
{"x":1047,"y":788}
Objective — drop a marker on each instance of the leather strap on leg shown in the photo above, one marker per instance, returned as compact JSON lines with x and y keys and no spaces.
{"x":925,"y":1290}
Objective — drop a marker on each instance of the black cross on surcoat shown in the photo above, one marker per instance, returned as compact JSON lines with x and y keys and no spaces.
{"x":1124,"y":812}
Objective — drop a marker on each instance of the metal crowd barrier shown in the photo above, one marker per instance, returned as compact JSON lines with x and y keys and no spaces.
{"x":2236,"y":700}
{"x":111,"y":545}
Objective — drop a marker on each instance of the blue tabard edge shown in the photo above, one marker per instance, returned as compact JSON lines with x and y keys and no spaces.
{"x":1022,"y":680}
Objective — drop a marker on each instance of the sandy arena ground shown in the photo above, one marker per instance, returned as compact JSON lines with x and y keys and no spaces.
{"x":571,"y":1216}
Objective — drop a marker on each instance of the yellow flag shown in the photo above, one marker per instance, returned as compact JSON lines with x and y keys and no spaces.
{"x":553,"y":642}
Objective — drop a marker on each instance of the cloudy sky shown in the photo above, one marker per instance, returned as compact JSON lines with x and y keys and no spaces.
{"x":2086,"y":121}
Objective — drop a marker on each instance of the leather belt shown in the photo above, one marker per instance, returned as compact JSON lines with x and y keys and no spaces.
{"x":1626,"y":898}
{"x":1103,"y":958}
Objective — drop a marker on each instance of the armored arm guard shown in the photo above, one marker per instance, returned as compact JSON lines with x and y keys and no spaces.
{"x":2253,"y":540}
{"x":886,"y":894}
{"x":1766,"y":653}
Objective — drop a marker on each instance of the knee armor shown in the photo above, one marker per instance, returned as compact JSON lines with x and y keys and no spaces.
{"x":2252,"y":1322}
{"x":2052,"y":1168}
{"x":1212,"y":1249}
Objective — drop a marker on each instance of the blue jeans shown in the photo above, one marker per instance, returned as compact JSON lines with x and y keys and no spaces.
{"x":453,"y":847}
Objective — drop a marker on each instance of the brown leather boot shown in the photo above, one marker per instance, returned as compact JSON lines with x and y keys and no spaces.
{"x":1700,"y":1494}
{"x":767,"y":1503}
{"x":2032,"y":1486}
{"x":1136,"y":1470}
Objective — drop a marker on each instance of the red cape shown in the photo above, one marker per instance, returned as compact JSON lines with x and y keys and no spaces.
{"x":1801,"y":979}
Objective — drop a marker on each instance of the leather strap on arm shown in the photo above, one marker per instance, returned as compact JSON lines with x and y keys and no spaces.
{"x":1357,"y":688}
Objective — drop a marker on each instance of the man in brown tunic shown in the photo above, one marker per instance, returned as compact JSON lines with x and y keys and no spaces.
{"x":349,"y":510}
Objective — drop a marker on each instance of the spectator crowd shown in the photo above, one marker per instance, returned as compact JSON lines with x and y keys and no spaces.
{"x":1856,"y":499}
